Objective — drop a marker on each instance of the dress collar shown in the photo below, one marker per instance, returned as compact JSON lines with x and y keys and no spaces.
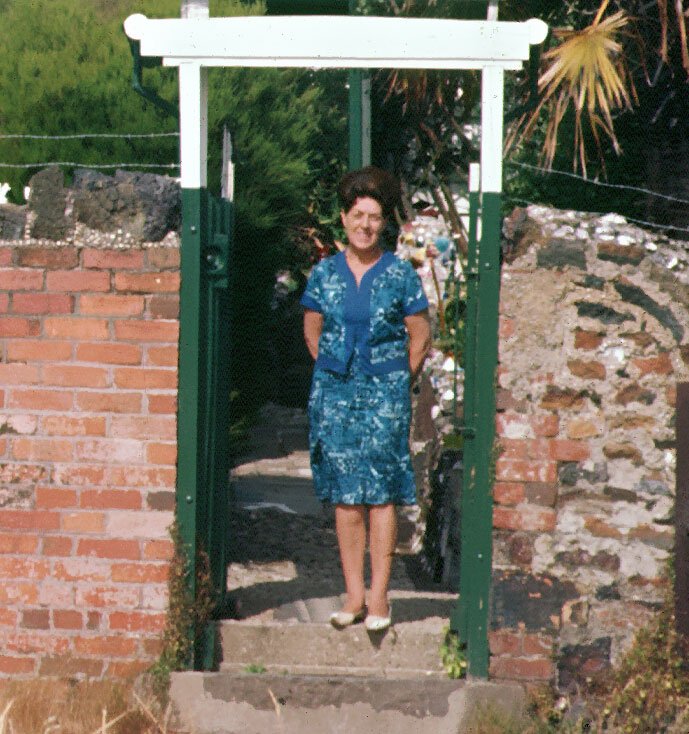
{"x":384,"y":261}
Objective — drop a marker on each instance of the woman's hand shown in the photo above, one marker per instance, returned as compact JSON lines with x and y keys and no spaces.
{"x":313,"y":326}
{"x":419,"y":330}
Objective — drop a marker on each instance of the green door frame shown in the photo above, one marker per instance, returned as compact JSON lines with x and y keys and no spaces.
{"x":491,"y":46}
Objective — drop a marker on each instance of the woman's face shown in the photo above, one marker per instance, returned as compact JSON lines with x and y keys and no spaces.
{"x":363,"y":223}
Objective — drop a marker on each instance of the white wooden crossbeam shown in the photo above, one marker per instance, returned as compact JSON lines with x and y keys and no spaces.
{"x":336,"y":41}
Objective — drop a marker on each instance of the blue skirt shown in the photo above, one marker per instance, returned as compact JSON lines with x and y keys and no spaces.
{"x":359,"y":437}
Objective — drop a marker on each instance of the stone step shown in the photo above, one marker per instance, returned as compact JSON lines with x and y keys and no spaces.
{"x":227,"y":703}
{"x":405,"y":650}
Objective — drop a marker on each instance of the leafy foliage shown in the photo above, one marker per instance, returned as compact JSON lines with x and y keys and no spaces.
{"x":66,"y":69}
{"x":187,"y":615}
{"x":650,"y":689}
{"x":453,"y":655}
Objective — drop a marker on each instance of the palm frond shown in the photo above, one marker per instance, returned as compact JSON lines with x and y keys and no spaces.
{"x":662,"y":13}
{"x":682,"y":29}
{"x":588,"y":73}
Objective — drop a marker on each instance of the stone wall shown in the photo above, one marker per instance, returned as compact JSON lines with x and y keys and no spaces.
{"x":593,"y":339}
{"x":88,"y":389}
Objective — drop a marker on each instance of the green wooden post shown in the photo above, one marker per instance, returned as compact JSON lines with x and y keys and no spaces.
{"x":359,"y":119}
{"x":472,"y":617}
{"x":359,"y":133}
{"x":354,"y":119}
{"x":189,"y":415}
{"x":480,"y":540}
{"x":460,"y":614}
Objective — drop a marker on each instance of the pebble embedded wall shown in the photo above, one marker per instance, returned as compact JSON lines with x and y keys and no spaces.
{"x":88,"y":389}
{"x":593,"y":339}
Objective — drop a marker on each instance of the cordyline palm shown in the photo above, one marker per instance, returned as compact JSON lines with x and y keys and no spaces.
{"x":588,"y":73}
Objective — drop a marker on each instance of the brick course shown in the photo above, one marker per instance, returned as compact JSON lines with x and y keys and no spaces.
{"x":89,"y":382}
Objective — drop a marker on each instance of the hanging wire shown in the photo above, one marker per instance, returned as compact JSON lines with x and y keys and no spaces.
{"x":89,"y":165}
{"x":79,"y":136}
{"x":84,"y":136}
{"x":626,"y":187}
{"x":640,"y":222}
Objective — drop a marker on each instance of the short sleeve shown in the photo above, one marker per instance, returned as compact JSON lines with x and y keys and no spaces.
{"x":414,"y":297}
{"x":313,"y":294}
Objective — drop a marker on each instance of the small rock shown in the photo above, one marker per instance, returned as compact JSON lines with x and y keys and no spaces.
{"x":587,"y":370}
{"x":625,"y":240}
{"x":612,"y":219}
{"x":569,"y":473}
{"x":48,"y":202}
{"x":634,"y":393}
{"x":617,"y":450}
{"x":653,"y":486}
{"x":621,"y":255}
{"x":12,"y":221}
{"x":602,"y":313}
{"x":596,"y":474}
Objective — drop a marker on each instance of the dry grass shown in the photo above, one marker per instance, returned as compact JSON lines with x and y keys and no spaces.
{"x":65,"y":706}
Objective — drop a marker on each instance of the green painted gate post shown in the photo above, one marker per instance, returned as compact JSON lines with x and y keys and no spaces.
{"x":355,"y":127}
{"x":189,"y":410}
{"x":470,"y":617}
{"x":476,"y":551}
{"x":480,"y":541}
{"x":359,"y":117}
{"x":203,"y":431}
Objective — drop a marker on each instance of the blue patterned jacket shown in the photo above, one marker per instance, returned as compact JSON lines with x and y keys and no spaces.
{"x":368,"y":319}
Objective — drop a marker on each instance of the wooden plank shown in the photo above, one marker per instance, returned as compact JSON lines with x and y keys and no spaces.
{"x":326,"y":41}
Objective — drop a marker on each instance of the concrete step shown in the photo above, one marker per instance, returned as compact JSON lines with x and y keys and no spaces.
{"x":227,"y":703}
{"x":402,"y":651}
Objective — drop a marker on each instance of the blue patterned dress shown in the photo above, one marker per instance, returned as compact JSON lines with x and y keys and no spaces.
{"x":359,"y":408}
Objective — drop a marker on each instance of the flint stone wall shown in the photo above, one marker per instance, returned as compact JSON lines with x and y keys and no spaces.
{"x":594,"y":336}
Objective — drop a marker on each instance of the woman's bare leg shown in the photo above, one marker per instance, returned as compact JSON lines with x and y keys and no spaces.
{"x":350,"y":522}
{"x":383,"y":532}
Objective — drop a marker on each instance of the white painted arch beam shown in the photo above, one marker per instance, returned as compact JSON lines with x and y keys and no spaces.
{"x":336,"y":41}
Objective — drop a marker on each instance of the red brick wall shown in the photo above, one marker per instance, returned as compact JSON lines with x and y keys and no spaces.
{"x":88,"y":387}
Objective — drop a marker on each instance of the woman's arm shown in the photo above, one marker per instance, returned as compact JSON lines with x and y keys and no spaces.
{"x":419,"y":330}
{"x":313,"y":325}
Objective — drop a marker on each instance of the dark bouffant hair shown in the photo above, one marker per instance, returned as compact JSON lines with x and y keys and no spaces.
{"x":374,"y":183}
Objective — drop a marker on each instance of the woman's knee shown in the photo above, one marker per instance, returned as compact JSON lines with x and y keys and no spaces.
{"x":350,"y":514}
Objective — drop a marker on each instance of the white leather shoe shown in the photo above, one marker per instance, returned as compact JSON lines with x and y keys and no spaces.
{"x":340,"y":620}
{"x":378,"y":624}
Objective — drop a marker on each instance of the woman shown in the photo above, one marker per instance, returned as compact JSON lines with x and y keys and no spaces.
{"x":366,"y":326}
